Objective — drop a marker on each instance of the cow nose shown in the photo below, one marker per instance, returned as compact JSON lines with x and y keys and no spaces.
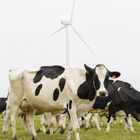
{"x":102,"y":93}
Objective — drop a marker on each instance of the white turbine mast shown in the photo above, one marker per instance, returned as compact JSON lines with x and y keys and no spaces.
{"x":65,"y":25}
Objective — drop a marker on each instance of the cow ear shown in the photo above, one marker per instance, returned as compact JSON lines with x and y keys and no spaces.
{"x":88,"y":69}
{"x":114,"y":74}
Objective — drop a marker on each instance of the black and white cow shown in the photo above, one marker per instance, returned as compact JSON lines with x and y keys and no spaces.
{"x":2,"y":104}
{"x":122,"y":97}
{"x":55,"y":89}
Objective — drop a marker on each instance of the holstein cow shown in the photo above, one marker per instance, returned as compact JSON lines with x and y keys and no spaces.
{"x":122,"y":97}
{"x":55,"y":89}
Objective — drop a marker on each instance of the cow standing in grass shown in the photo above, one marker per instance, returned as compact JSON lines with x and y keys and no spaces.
{"x":55,"y":89}
{"x":122,"y":100}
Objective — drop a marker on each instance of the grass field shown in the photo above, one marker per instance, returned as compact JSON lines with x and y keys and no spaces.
{"x":117,"y":133}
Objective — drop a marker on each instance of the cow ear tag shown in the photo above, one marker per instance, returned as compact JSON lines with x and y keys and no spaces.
{"x":113,"y":76}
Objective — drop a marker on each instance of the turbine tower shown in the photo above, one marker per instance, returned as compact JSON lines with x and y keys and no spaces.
{"x":65,"y":25}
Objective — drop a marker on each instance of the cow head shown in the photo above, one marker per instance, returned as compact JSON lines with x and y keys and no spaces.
{"x":101,"y":76}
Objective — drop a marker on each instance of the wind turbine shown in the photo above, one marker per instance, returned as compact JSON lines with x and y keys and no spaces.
{"x":65,"y":25}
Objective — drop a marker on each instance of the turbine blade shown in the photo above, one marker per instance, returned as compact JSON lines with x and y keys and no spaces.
{"x":73,"y":5}
{"x":82,"y":40}
{"x":57,"y":31}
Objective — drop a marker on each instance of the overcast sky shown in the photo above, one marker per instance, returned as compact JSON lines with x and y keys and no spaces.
{"x":111,"y":28}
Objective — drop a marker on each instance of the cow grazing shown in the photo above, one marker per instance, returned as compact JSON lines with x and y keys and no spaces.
{"x":55,"y":89}
{"x":2,"y":104}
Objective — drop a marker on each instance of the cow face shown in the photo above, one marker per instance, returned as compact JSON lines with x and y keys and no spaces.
{"x":101,"y":78}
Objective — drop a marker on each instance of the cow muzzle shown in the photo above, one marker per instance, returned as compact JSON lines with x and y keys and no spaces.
{"x":102,"y":93}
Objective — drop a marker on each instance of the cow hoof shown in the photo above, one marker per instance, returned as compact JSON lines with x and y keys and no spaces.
{"x":107,"y":132}
{"x":62,"y":131}
{"x":86,"y":128}
{"x":14,"y":138}
{"x":82,"y":126}
{"x":3,"y":132}
{"x":34,"y":138}
{"x":133,"y":132}
{"x":125,"y":129}
{"x":38,"y":131}
{"x":48,"y":132}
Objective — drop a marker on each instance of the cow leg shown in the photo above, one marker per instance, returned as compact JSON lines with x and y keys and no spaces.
{"x":58,"y":125}
{"x":63,"y":118}
{"x":56,"y":128}
{"x":82,"y":121}
{"x":14,"y":110}
{"x":108,"y":124}
{"x":26,"y":124}
{"x":95,"y":118}
{"x":14,"y":116}
{"x":88,"y":120}
{"x":69,"y":131}
{"x":30,"y":118}
{"x":130,"y":124}
{"x":43,"y":128}
{"x":135,"y":115}
{"x":50,"y":131}
{"x":126,"y":125}
{"x":74,"y":121}
{"x":114,"y":117}
{"x":6,"y":115}
{"x":92,"y":120}
{"x":6,"y":121}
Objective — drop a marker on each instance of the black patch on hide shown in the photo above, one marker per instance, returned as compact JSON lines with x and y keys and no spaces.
{"x":62,"y":84}
{"x":70,"y":104}
{"x":87,"y":90}
{"x":37,"y":91}
{"x":51,"y":72}
{"x":55,"y":94}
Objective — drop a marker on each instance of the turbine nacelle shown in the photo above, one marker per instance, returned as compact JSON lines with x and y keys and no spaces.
{"x":66,"y":22}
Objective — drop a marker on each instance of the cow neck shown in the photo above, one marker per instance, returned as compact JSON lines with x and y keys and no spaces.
{"x":87,"y":90}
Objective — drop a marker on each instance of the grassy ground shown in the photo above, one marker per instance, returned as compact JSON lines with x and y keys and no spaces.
{"x":117,"y":133}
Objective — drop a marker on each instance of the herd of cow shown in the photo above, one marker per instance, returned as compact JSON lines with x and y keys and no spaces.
{"x":58,"y":93}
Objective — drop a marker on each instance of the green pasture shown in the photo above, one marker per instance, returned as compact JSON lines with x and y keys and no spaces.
{"x":117,"y":132}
